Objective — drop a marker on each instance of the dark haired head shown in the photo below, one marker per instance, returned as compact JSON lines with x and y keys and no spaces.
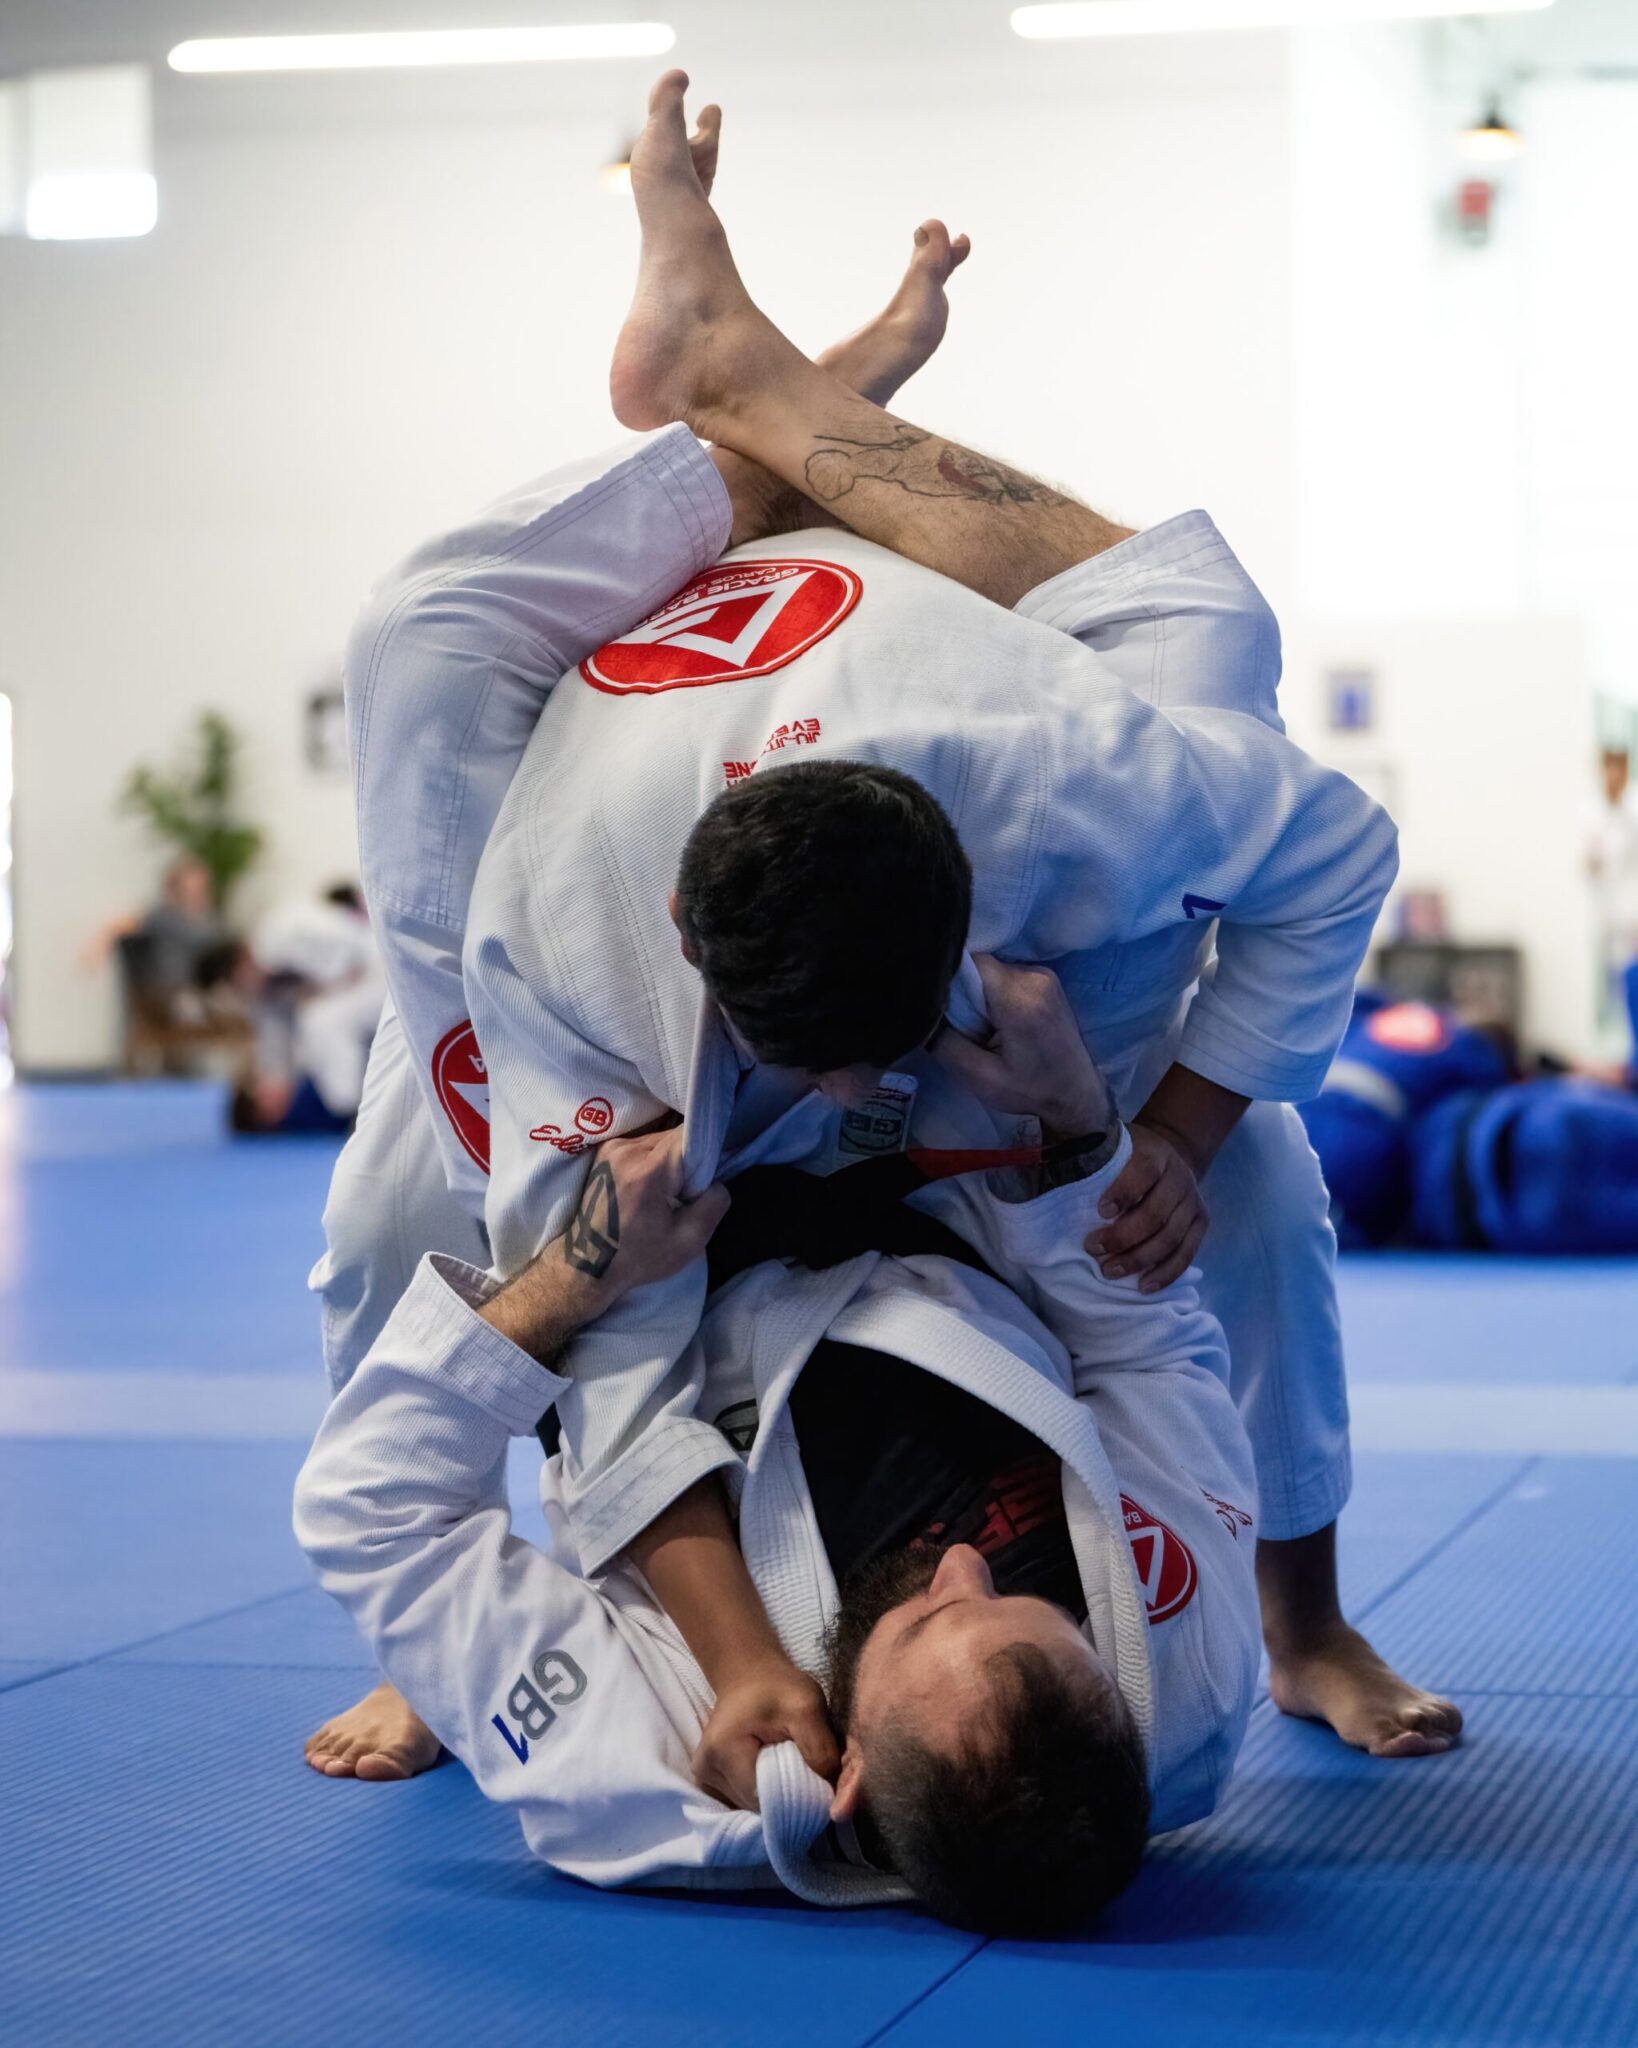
{"x":826,"y":904}
{"x":1031,"y":1821}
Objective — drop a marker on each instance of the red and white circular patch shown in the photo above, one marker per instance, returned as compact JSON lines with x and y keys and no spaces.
{"x":739,"y":619}
{"x":1409,"y":1027}
{"x":595,"y":1116}
{"x":461,"y":1082}
{"x":1165,"y":1564}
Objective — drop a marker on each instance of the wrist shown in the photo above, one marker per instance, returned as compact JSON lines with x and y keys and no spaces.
{"x":1078,"y":1117}
{"x":546,"y":1304}
{"x":1193,"y":1154}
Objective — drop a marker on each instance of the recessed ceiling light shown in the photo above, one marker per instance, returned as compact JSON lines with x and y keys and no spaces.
{"x":423,"y":47}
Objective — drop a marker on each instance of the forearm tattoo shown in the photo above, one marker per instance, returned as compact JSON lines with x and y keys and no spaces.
{"x":593,"y":1235}
{"x":921,"y":464}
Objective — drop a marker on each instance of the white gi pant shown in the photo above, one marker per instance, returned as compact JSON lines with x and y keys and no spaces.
{"x":1175,"y":617}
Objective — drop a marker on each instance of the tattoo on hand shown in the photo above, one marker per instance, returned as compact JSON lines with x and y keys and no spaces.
{"x":924,"y":466}
{"x":593,"y":1235}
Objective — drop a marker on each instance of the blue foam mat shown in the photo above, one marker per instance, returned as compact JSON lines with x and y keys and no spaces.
{"x":1441,"y":1316}
{"x":1540,"y":1594}
{"x":1402,"y":1505}
{"x":1488,"y":1899}
{"x":138,"y":1251}
{"x":173,"y":1874}
{"x":103,"y":1544}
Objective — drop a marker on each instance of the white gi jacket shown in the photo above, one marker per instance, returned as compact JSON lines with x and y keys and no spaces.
{"x":572,"y":1697}
{"x":1106,"y":836}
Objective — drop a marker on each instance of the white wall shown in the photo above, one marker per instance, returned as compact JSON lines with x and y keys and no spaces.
{"x":370,"y":304}
{"x":1465,"y":477}
{"x":1485,"y":767}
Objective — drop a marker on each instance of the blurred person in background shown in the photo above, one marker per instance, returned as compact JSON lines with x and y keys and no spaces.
{"x":315,"y":976}
{"x":180,"y":953}
{"x":1612,"y":864}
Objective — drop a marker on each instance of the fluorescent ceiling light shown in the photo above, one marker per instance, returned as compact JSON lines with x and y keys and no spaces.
{"x":423,"y":47}
{"x":86,"y":206}
{"x":1177,"y":17}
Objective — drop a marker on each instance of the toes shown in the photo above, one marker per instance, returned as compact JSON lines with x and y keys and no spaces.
{"x":381,"y":1767}
{"x":336,"y":1767}
{"x":932,"y":247}
{"x":666,"y":100}
{"x":1412,"y":1742}
{"x":960,"y":249}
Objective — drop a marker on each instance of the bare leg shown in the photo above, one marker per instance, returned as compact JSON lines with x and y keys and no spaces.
{"x":381,"y":1738}
{"x":1323,"y":1670}
{"x":695,"y":348}
{"x":874,"y":361}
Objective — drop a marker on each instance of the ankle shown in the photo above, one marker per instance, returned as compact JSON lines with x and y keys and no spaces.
{"x":1290,"y":1639}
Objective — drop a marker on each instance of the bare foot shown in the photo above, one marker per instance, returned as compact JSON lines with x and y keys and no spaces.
{"x":692,"y":337}
{"x":887,"y":351}
{"x":381,"y":1738}
{"x":704,"y":144}
{"x":1338,"y":1678}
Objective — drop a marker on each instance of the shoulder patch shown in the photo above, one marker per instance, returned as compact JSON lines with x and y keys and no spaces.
{"x":1165,"y":1564}
{"x":460,"y":1080}
{"x":738,"y":620}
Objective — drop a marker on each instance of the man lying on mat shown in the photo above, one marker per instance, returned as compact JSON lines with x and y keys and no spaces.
{"x":1029,"y":1480}
{"x":824,"y":907}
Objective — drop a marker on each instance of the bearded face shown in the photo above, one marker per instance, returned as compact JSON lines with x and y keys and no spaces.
{"x":867,"y":1594}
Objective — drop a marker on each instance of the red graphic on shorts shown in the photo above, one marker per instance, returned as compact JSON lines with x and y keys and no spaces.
{"x":1409,"y":1027}
{"x":737,"y":620}
{"x":594,"y":1116}
{"x":460,"y":1080}
{"x":1165,"y":1563}
{"x":736,"y":771}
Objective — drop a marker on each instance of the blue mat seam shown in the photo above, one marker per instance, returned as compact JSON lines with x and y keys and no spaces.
{"x":1436,"y":1550}
{"x":922,"y":1997}
{"x":162,"y":1635}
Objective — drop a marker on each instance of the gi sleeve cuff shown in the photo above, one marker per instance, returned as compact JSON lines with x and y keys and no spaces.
{"x":620,"y":1502}
{"x":439,"y":1314}
{"x":1036,"y":1230}
{"x":1238,"y":1056}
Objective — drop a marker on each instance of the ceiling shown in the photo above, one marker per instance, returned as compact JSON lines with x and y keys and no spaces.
{"x":1573,"y":35}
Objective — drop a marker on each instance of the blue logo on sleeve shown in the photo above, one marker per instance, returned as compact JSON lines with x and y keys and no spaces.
{"x":558,"y":1682}
{"x":1201,"y":906}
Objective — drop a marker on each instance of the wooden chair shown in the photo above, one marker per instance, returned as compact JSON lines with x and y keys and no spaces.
{"x":161,"y":1036}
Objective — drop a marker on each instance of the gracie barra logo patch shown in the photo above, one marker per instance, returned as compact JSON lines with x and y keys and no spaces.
{"x":460,"y":1080}
{"x":740,"y":619}
{"x":1165,"y":1564}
